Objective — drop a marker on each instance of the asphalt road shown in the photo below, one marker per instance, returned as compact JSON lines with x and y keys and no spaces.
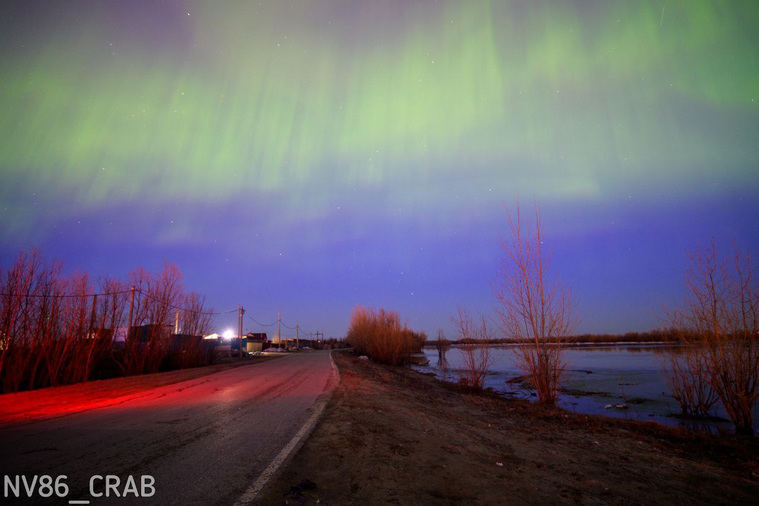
{"x":203,"y":441}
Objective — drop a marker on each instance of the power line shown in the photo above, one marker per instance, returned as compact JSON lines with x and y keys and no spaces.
{"x":261,"y":324}
{"x":179,"y":308}
{"x":60,"y":295}
{"x":101,"y":294}
{"x":147,"y":295}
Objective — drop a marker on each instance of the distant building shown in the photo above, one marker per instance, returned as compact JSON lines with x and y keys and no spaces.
{"x":144,"y":333}
{"x":256,"y":341}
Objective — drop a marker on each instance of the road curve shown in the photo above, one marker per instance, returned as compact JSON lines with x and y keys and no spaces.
{"x":202,"y":441}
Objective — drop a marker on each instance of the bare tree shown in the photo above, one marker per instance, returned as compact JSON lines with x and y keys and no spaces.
{"x":442,"y":346}
{"x":722,"y":310}
{"x":474,"y":337}
{"x":533,"y":306}
{"x":30,"y":313}
{"x":61,"y":344}
{"x":43,"y":309}
{"x":111,"y":306}
{"x":160,"y":295}
{"x":195,"y":319}
{"x":55,"y":328}
{"x":107,"y":316}
{"x":18,"y":286}
{"x":685,"y":375}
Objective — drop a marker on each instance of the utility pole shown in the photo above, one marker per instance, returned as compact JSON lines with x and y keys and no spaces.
{"x":176,"y":323}
{"x":131,"y":307}
{"x":92,"y":314}
{"x":279,"y":327}
{"x":297,"y":338}
{"x":239,"y":326}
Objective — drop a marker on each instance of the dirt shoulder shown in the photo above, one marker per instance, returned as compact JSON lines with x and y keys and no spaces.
{"x":396,"y":436}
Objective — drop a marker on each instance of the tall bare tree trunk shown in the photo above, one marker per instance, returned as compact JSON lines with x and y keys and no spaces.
{"x":533,"y":306}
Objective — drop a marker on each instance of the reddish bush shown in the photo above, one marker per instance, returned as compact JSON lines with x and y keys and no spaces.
{"x":380,"y":335}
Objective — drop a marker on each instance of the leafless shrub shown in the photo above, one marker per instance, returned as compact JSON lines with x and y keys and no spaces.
{"x":30,"y":310}
{"x":534,"y":306}
{"x":195,"y":318}
{"x":148,"y":342}
{"x":689,"y":386}
{"x":108,"y":315}
{"x":195,"y":321}
{"x":380,"y":335}
{"x":60,"y":345}
{"x":722,"y":311}
{"x":55,"y":328}
{"x":442,"y":345}
{"x":475,"y":352}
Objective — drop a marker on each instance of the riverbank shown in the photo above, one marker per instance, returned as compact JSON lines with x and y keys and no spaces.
{"x":395,"y":436}
{"x":596,"y":380}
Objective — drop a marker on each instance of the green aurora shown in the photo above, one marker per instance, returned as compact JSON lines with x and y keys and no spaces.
{"x":256,"y":100}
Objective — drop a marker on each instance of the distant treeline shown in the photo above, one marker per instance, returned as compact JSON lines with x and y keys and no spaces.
{"x":653,"y":336}
{"x":58,"y":328}
{"x":331,"y":343}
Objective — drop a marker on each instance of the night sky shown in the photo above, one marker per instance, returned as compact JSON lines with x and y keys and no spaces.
{"x":313,"y":155}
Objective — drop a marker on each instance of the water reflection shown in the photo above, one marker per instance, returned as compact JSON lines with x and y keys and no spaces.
{"x":623,"y":381}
